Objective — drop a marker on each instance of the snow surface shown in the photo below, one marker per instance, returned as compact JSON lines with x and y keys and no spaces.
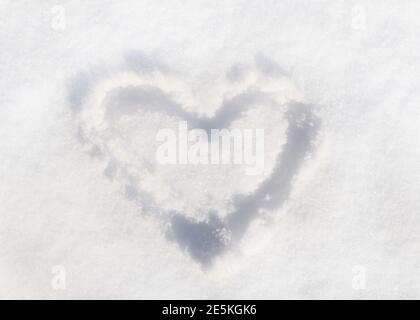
{"x":351,"y":204}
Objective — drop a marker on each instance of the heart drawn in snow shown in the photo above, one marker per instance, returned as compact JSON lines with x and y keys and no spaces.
{"x":206,"y":209}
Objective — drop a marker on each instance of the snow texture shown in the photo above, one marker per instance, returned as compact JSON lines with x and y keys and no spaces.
{"x":86,"y":85}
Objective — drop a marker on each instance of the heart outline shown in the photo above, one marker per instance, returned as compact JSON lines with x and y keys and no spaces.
{"x":204,"y":240}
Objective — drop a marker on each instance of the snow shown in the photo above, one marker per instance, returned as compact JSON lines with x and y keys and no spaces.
{"x":352,"y":211}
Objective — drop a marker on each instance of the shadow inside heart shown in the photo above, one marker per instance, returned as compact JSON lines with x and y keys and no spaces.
{"x":205,"y":240}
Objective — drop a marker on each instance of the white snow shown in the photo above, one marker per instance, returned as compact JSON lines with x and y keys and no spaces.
{"x":353,"y":211}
